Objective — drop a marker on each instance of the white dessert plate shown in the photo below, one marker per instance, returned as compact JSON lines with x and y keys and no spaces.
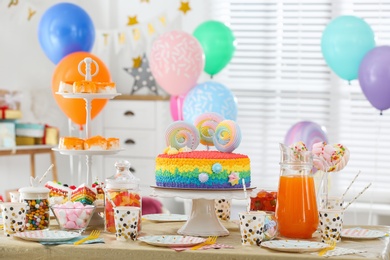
{"x":89,"y":95}
{"x":294,"y":245}
{"x":87,"y":152}
{"x":165,"y":217}
{"x":362,"y":233}
{"x":169,"y":240}
{"x":47,"y":235}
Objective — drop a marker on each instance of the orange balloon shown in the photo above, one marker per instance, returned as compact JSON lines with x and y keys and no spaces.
{"x":67,"y":70}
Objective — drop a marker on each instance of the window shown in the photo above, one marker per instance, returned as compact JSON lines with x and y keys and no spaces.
{"x":279,"y":77}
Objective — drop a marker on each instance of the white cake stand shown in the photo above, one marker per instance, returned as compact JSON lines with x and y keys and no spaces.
{"x":203,"y":220}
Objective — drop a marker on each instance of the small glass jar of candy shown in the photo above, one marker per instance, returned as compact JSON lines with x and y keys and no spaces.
{"x":264,"y":201}
{"x":38,"y":210}
{"x":122,"y":189}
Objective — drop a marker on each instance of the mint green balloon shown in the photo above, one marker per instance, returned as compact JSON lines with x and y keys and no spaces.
{"x":345,"y":41}
{"x":218,"y":44}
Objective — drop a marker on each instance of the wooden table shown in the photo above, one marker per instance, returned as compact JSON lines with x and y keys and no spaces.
{"x":32,"y":150}
{"x":14,"y":248}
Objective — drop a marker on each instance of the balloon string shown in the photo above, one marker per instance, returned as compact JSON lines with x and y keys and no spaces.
{"x":81,"y":128}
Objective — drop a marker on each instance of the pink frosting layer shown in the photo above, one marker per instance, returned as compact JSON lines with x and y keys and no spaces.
{"x":204,"y":155}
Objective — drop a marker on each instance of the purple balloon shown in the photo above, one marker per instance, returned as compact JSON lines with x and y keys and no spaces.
{"x":374,"y":77}
{"x":307,"y":132}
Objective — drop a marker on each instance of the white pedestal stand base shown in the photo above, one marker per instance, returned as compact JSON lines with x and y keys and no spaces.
{"x":203,"y":220}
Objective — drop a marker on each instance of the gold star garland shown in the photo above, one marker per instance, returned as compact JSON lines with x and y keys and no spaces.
{"x":137,"y":62}
{"x":132,"y":20}
{"x":13,"y":2}
{"x":31,"y":13}
{"x":184,"y":7}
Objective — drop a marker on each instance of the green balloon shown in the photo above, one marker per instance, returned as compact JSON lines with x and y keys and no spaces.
{"x":218,"y":44}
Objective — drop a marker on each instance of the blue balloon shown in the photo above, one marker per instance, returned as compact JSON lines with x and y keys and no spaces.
{"x":345,"y":41}
{"x":209,"y":97}
{"x":63,"y":29}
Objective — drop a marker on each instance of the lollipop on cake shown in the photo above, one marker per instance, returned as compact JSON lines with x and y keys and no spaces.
{"x":227,"y":136}
{"x":182,"y":136}
{"x":206,"y":124}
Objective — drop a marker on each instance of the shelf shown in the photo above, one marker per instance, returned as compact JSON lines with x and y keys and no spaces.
{"x":89,"y":95}
{"x":141,"y":97}
{"x":87,"y":152}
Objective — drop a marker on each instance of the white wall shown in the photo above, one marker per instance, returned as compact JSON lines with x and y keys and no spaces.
{"x":25,"y":67}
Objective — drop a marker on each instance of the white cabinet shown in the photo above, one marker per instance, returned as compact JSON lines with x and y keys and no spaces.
{"x":139,"y":123}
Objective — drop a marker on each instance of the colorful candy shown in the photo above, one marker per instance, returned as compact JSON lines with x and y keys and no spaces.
{"x":264,"y":201}
{"x":206,"y":124}
{"x":73,"y":216}
{"x":180,"y":134}
{"x":37,"y":214}
{"x":120,"y":198}
{"x":227,"y":136}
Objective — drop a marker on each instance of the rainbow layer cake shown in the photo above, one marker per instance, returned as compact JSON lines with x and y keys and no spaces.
{"x":202,"y":170}
{"x":84,"y":195}
{"x":58,"y":190}
{"x":180,"y":166}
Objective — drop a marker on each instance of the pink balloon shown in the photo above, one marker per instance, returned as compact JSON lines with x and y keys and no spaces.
{"x":176,"y":61}
{"x":176,"y":105}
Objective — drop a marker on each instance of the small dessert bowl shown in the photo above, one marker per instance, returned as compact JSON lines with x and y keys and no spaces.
{"x":73,"y":216}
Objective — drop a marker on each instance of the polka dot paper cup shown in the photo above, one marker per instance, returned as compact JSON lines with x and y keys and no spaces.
{"x":126,"y":222}
{"x":252,"y":227}
{"x":222,"y":209}
{"x":332,"y":203}
{"x":331,"y":224}
{"x":14,"y":217}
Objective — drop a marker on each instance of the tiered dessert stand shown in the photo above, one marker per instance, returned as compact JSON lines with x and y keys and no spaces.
{"x":203,"y":220}
{"x":88,"y":106}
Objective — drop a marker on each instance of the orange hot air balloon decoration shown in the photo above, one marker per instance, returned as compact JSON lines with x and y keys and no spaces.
{"x":68,"y":70}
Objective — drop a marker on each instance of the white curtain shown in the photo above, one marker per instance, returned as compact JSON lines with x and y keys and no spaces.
{"x":279,"y":77}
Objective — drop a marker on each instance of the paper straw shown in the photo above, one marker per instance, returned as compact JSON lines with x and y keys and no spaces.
{"x":44,"y":175}
{"x":342,"y":197}
{"x":357,"y":196}
{"x":248,"y":206}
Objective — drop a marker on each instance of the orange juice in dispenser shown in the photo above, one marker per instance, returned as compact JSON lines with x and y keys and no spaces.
{"x":296,"y":210}
{"x":122,"y":189}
